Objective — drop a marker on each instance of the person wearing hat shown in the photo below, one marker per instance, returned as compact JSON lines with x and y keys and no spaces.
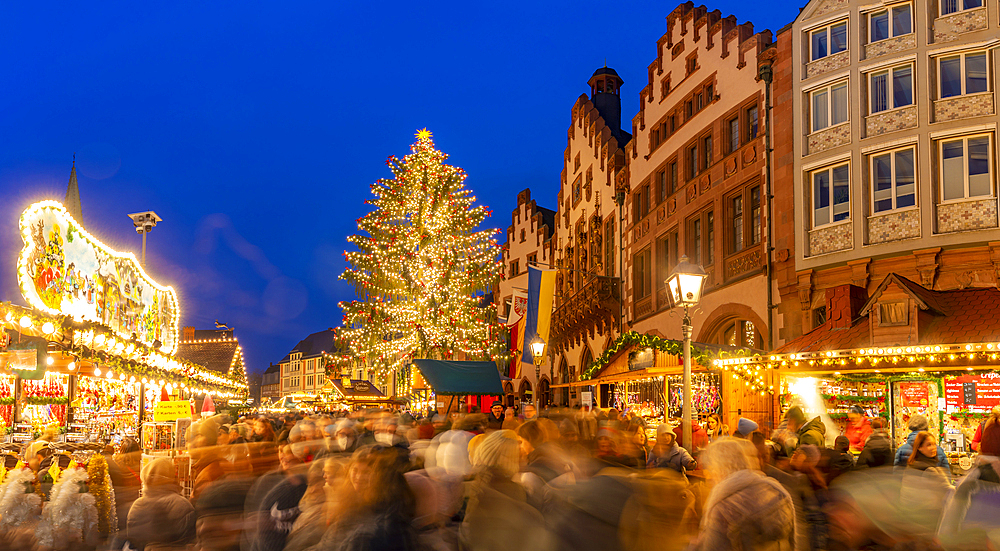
{"x":495,"y":419}
{"x":859,"y":428}
{"x":917,"y":424}
{"x":209,"y":464}
{"x":744,"y":428}
{"x":668,"y":453}
{"x":161,"y":516}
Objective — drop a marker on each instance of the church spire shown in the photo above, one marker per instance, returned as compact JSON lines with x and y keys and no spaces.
{"x":72,"y":202}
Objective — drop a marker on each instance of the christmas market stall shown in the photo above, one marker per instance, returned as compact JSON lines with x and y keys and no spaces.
{"x":359,"y":394}
{"x":903,"y":351}
{"x":429,"y":381}
{"x":643,"y":374}
{"x":94,"y":352}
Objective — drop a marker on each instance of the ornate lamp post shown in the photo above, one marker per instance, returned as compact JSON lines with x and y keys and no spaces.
{"x":684,"y":286}
{"x":537,"y":355}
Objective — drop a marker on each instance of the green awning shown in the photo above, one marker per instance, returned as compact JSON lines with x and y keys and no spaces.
{"x":461,"y":378}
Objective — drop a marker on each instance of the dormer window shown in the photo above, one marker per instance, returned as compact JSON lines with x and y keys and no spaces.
{"x":893,"y":313}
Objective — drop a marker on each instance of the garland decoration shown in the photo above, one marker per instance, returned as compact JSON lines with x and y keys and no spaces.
{"x":19,"y":503}
{"x":99,"y":485}
{"x":69,"y":519}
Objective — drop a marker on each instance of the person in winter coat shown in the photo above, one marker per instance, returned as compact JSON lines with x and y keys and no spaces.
{"x":974,"y":508}
{"x":667,"y":453}
{"x":698,"y":435}
{"x":812,"y":433}
{"x":494,"y":421}
{"x":123,"y":469}
{"x":878,"y":448}
{"x":745,"y":510}
{"x":859,"y":428}
{"x":161,"y":517}
{"x":925,"y":487}
{"x":209,"y":464}
{"x":918,"y":424}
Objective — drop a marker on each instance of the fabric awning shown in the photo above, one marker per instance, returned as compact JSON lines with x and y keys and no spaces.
{"x":461,"y":378}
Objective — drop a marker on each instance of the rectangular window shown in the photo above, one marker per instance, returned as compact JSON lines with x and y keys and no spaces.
{"x":890,"y":23}
{"x":736,"y":211}
{"x":829,"y":106}
{"x":637,"y":207}
{"x":661,"y":185}
{"x":688,"y":109}
{"x":734,"y":134}
{"x":673,"y":177}
{"x":965,"y":168}
{"x":707,"y":146}
{"x":710,"y":238}
{"x":893,"y":180}
{"x":642,"y":275}
{"x":645,"y":200}
{"x":752,"y":123}
{"x":532,"y":259}
{"x":831,"y":195}
{"x":675,"y":249}
{"x":693,"y":161}
{"x":514,"y":269}
{"x":891,"y":89}
{"x":829,"y":40}
{"x":893,"y":313}
{"x":755,"y":213}
{"x":696,"y":242}
{"x":963,"y":74}
{"x":954,"y":6}
{"x":672,"y":123}
{"x":309,"y":380}
{"x":609,"y":247}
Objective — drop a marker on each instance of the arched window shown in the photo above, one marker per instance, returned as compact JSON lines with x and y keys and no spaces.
{"x":741,"y":333}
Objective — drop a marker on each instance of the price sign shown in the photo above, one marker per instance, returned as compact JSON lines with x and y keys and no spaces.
{"x":171,"y":410}
{"x":914,"y":395}
{"x":976,"y":393}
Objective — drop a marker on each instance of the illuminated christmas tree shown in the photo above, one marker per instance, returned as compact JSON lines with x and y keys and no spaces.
{"x":422,"y":268}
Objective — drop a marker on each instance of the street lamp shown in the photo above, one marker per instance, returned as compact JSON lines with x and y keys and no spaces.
{"x":537,"y":355}
{"x":684,"y":286}
{"x":144,"y":223}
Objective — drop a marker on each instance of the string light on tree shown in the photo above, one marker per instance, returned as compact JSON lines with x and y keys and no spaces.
{"x":421,"y":268}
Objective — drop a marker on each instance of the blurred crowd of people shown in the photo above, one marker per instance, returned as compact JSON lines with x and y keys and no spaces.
{"x":551,"y":480}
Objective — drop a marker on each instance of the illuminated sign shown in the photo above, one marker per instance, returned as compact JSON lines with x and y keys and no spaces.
{"x":63,"y":270}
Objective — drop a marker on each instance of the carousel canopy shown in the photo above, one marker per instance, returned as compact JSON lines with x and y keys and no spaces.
{"x":461,"y":378}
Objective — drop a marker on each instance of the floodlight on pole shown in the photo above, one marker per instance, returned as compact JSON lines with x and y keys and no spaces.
{"x":144,"y":222}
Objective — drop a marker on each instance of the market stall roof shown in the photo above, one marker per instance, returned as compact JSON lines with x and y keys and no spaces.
{"x":360,"y":391}
{"x":901,"y":326}
{"x":461,"y":378}
{"x":218,"y":350}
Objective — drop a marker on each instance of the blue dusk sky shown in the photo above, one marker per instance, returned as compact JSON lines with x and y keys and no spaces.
{"x":254,"y":129}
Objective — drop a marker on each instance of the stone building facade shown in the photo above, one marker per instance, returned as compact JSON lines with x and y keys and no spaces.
{"x":588,"y":223}
{"x":892,"y":147}
{"x":696,"y":174}
{"x":529,"y":242}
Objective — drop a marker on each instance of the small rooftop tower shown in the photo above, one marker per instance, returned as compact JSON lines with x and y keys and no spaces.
{"x":605,"y":88}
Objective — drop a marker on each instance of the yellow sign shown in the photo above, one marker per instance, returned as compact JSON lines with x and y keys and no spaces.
{"x":172,"y":410}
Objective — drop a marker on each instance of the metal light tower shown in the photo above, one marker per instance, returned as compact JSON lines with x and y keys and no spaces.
{"x":684,"y":286}
{"x":144,"y":223}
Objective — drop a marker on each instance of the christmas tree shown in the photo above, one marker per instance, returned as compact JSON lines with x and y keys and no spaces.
{"x":422,"y":268}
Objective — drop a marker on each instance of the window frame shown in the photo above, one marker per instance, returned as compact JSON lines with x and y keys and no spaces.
{"x":827,"y":28}
{"x":960,"y":4}
{"x":828,"y":88}
{"x":753,"y":125}
{"x":895,"y":197}
{"x":939,"y":146}
{"x":888,"y":10}
{"x":735,"y":140}
{"x":706,"y":156}
{"x":890,"y":91}
{"x":641,"y":276}
{"x":812,"y":194}
{"x":964,"y":76}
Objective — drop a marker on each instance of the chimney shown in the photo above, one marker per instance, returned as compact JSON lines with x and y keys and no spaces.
{"x":843,"y":304}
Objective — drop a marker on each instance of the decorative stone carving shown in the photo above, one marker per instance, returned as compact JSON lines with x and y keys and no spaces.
{"x":828,"y":138}
{"x":805,"y":286}
{"x":963,"y":107}
{"x":828,"y":239}
{"x":967,"y":215}
{"x":927,"y":265}
{"x":893,"y":226}
{"x":859,"y":272}
{"x":890,"y":121}
{"x":829,"y":63}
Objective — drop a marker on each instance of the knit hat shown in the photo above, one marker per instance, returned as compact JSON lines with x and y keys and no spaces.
{"x":745,"y":426}
{"x":474,"y":443}
{"x":500,"y":450}
{"x":207,"y":428}
{"x":918,"y":423}
{"x":663,"y":429}
{"x":158,"y":472}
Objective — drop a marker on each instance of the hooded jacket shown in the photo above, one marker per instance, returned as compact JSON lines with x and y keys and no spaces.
{"x":813,"y":432}
{"x":906,"y":450}
{"x":747,"y":511}
{"x":877,"y":451}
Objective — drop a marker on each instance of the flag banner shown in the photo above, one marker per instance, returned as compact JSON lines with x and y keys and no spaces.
{"x":518,"y":307}
{"x":541,"y":290}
